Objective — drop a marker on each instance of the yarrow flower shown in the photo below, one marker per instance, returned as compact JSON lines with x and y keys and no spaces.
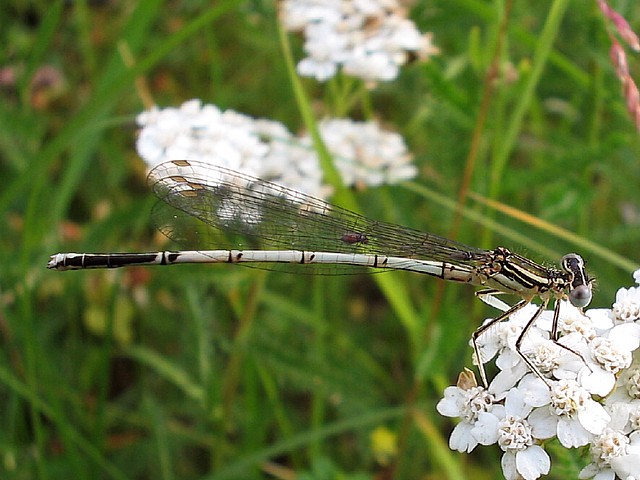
{"x":467,"y":401}
{"x":566,"y":410}
{"x":590,"y":394}
{"x":508,"y":426}
{"x":627,"y":305}
{"x":364,"y":153}
{"x":369,"y":39}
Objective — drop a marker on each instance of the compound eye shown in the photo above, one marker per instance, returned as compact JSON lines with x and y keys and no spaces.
{"x":580,"y":296}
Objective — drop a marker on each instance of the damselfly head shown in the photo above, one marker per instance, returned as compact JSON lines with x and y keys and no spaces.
{"x":580,"y":293}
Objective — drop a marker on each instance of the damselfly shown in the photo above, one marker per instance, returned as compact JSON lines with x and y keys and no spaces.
{"x":264,"y":223}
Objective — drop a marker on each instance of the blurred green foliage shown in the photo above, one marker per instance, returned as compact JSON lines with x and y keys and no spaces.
{"x":223,"y":372}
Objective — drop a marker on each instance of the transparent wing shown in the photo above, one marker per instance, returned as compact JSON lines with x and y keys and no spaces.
{"x":209,"y":207}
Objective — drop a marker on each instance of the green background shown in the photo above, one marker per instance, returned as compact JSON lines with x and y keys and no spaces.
{"x":228,"y":372}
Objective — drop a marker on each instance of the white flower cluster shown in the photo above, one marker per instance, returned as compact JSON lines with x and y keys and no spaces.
{"x":369,"y":39}
{"x":363,"y":152}
{"x":590,"y":395}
